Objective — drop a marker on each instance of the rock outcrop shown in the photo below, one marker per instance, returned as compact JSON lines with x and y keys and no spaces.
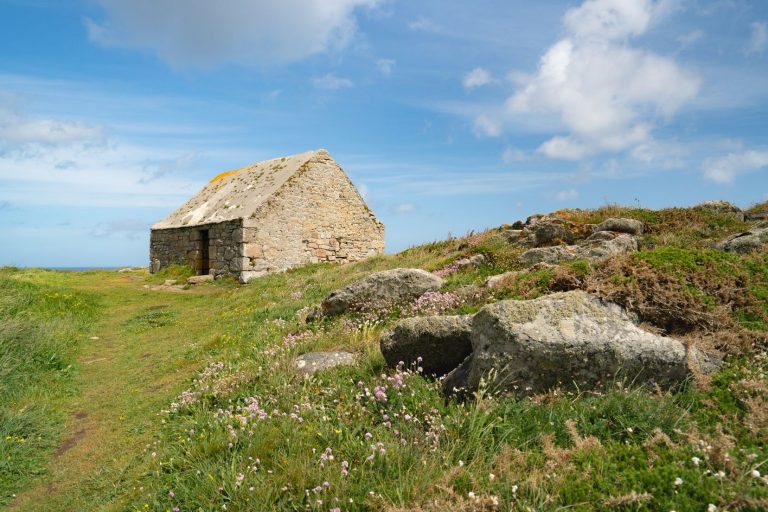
{"x":597,"y":247}
{"x":436,"y":343}
{"x":747,"y":241}
{"x":381,"y":289}
{"x":571,"y":340}
{"x":621,"y":225}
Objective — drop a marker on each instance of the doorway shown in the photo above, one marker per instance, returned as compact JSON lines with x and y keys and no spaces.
{"x":204,"y":265}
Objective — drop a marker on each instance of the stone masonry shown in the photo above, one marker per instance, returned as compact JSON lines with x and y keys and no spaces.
{"x":269,"y":217}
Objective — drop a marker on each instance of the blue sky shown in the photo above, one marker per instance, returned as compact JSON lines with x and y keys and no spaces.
{"x":448,"y":115}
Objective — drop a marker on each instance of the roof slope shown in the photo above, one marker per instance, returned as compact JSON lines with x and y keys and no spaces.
{"x":237,"y":194}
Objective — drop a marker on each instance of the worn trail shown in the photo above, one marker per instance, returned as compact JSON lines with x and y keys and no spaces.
{"x":125,"y":377}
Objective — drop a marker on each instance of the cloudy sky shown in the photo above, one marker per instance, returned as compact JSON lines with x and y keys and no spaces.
{"x":448,"y":115}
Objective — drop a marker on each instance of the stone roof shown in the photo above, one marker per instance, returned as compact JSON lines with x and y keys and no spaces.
{"x":237,"y":194}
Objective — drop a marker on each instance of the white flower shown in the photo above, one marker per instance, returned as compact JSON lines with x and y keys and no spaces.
{"x":678,"y":482}
{"x":696,"y":461}
{"x":471,"y":495}
{"x":711,"y":508}
{"x":514,"y":489}
{"x":461,"y":463}
{"x":755,"y":473}
{"x":492,"y":477}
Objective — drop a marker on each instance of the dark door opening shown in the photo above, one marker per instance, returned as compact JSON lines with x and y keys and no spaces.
{"x":204,"y":266}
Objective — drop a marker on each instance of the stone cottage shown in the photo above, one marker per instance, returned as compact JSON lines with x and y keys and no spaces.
{"x":268,"y":217}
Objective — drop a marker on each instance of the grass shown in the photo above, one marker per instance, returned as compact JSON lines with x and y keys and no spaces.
{"x":191,"y":400}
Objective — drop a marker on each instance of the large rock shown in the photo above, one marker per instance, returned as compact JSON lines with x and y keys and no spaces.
{"x":621,"y":225}
{"x":442,"y":343}
{"x":570,"y":340}
{"x":722,"y":207}
{"x":596,"y":248}
{"x":207,"y":278}
{"x":313,"y":362}
{"x":381,"y":289}
{"x":747,"y":241}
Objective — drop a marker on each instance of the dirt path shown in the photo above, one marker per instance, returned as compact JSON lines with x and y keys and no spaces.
{"x":125,"y":377}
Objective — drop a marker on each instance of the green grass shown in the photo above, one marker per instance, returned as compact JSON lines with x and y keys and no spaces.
{"x":190,"y":398}
{"x":40,"y":331}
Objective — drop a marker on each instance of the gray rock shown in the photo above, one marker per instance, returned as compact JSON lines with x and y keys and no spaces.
{"x":442,"y":343}
{"x":551,"y":255}
{"x":572,"y":340}
{"x":200,"y":279}
{"x":498,"y":279}
{"x":456,"y":382}
{"x":603,"y":249}
{"x":551,"y":230}
{"x":722,"y":207}
{"x":756,"y":216}
{"x":473,"y":261}
{"x":595,"y":250}
{"x":313,"y":362}
{"x":747,"y":241}
{"x":382,"y":288}
{"x":601,"y":236}
{"x":620,"y":225}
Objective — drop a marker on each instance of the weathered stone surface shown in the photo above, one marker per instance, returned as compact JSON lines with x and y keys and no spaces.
{"x":550,"y":255}
{"x":571,"y":340}
{"x":497,"y":280}
{"x":269,"y":217}
{"x":747,"y":241}
{"x":593,"y":250}
{"x":442,"y":343}
{"x":200,"y":279}
{"x":602,"y":249}
{"x":382,"y":288}
{"x":473,"y":261}
{"x":456,"y":382}
{"x":169,"y":282}
{"x":313,"y":362}
{"x":621,"y":225}
{"x":722,"y":207}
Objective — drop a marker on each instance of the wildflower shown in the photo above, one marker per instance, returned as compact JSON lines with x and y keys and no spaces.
{"x":239,"y":480}
{"x":720,"y":475}
{"x":171,"y":494}
{"x":711,"y":508}
{"x":678,"y":482}
{"x":380,"y":393}
{"x":471,"y":495}
{"x":176,"y":509}
{"x":514,"y":489}
{"x":491,"y":477}
{"x":154,"y":454}
{"x":696,"y":461}
{"x":755,"y":473}
{"x":368,"y":435}
{"x":461,"y":463}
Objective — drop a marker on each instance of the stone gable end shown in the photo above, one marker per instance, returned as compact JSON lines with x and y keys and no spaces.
{"x":317,"y":215}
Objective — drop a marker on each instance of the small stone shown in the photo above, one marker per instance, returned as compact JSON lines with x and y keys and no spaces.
{"x":200,"y":279}
{"x":621,"y":225}
{"x":499,"y":279}
{"x":313,"y":362}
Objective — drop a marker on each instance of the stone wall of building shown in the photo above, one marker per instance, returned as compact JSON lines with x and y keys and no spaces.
{"x":318,"y":216}
{"x":183,"y":246}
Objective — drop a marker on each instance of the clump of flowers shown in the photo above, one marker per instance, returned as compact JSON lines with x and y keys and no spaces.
{"x":205,"y":382}
{"x":432,"y":303}
{"x":447,"y":270}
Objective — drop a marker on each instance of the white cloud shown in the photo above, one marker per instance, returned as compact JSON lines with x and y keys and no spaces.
{"x":17,"y":127}
{"x":608,"y":95}
{"x":385,"y":66}
{"x":565,"y":195}
{"x":405,"y":208}
{"x":332,"y":82}
{"x":511,"y":155}
{"x":478,"y":77}
{"x":422,"y":24}
{"x":759,"y":40}
{"x":486,"y":126}
{"x":725,"y":169}
{"x":201,"y":33}
{"x":690,"y":38}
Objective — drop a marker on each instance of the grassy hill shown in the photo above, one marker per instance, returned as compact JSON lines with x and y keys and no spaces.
{"x":115,"y":396}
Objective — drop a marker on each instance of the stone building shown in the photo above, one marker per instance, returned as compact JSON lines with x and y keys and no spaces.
{"x":269,"y":217}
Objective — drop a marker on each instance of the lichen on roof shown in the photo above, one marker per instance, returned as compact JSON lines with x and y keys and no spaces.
{"x":237,"y":193}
